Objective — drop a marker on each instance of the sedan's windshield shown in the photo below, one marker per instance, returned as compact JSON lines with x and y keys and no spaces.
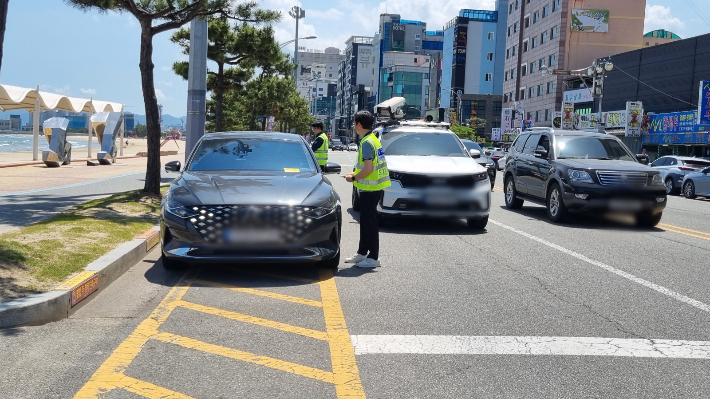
{"x":252,"y":154}
{"x":591,"y":148}
{"x":422,"y":144}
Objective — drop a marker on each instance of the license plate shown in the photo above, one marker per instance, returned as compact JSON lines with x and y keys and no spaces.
{"x":625,"y":205}
{"x":251,"y":236}
{"x":439,"y":199}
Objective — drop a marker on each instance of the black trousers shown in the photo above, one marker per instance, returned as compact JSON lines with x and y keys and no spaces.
{"x":369,"y":229}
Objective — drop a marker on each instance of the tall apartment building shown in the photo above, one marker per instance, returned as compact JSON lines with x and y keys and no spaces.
{"x":563,"y":35}
{"x":355,"y":78}
{"x":473,"y":62}
{"x":397,"y":35}
{"x":317,"y":66}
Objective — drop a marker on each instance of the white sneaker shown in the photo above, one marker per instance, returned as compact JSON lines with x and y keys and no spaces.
{"x":357,"y":258}
{"x":369,"y":263}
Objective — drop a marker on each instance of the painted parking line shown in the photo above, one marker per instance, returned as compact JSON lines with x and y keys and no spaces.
{"x":344,"y":375}
{"x":663,"y":290}
{"x":546,"y":346}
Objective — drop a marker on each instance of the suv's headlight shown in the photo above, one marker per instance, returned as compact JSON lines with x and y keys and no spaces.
{"x":657,"y":180}
{"x":180,"y":210}
{"x":481,"y":177}
{"x":579,"y":176}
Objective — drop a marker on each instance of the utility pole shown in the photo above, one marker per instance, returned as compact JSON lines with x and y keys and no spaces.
{"x":196,"y":85}
{"x":518,"y":74}
{"x":297,"y":13}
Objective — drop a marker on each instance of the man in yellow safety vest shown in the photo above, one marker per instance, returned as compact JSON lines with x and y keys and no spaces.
{"x":320,"y":144}
{"x":371,"y":177}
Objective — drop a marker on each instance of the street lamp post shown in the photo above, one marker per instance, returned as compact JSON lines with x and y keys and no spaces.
{"x":458,"y":100}
{"x":296,"y":13}
{"x":286,"y":43}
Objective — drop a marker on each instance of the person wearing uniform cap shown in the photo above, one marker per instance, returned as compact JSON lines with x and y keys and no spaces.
{"x":370,"y":178}
{"x":320,"y":145}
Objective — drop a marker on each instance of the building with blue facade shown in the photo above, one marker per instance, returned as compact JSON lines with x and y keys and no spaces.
{"x":472,"y":61}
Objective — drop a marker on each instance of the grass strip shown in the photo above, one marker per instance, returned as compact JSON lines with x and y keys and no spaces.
{"x":38,"y":257}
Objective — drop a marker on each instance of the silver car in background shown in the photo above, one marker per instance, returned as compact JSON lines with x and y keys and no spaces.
{"x":674,"y":169}
{"x":697,"y":184}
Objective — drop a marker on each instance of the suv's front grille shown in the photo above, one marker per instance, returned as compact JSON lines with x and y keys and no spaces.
{"x":422,"y":181}
{"x":609,"y":178}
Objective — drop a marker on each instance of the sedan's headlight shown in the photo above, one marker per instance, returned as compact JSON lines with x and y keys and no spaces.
{"x":481,"y":177}
{"x":180,"y":210}
{"x":657,"y":180}
{"x":321,"y":210}
{"x":489,"y":165}
{"x":579,"y":176}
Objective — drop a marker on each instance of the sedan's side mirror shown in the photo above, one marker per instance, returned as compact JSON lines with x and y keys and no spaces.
{"x":331,"y":167}
{"x":173,"y":166}
{"x":488,"y":153}
{"x":475,"y":154}
{"x":641,"y":157}
{"x":540,"y":154}
{"x":705,"y":171}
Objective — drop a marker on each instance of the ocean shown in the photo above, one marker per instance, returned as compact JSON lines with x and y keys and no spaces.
{"x":23,"y":142}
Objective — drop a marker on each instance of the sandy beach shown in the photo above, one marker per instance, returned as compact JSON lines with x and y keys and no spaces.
{"x":131,"y":147}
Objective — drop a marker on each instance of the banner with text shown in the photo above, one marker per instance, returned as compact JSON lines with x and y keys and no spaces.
{"x":634,"y":113}
{"x":495,"y":134}
{"x":567,"y":116}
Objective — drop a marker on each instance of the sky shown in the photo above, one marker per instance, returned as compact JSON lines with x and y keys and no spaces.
{"x":84,"y":55}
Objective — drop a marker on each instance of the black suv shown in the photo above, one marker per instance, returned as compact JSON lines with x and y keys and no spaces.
{"x":573,"y":171}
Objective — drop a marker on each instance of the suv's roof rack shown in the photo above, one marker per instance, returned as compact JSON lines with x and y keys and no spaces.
{"x":547,"y":129}
{"x":413,"y":122}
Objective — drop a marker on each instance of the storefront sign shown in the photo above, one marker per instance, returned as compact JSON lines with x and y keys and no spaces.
{"x":596,"y":21}
{"x":578,"y":96}
{"x":527,"y":124}
{"x":614,"y":119}
{"x":634,"y":114}
{"x":557,"y":120}
{"x":670,"y":138}
{"x":588,"y":122}
{"x":674,"y":122}
{"x":704,"y":103}
{"x":506,"y":121}
{"x":567,"y":116}
{"x":495,"y":134}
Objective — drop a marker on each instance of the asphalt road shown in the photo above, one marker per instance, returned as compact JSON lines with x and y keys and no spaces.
{"x":525,"y":309}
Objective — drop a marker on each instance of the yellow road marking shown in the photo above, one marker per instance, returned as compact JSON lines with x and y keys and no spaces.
{"x":267,"y":294}
{"x":683,"y":228}
{"x":105,"y":378}
{"x":148,"y":390}
{"x":266,"y":361}
{"x":253,"y":320}
{"x":342,"y":354}
{"x":686,"y":234}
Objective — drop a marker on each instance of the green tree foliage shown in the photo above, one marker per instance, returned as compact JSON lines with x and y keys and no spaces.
{"x":236,"y":50}
{"x":140,"y":130}
{"x":157,"y":16}
{"x":469,"y":131}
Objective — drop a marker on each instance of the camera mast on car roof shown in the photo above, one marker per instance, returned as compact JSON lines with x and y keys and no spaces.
{"x":391,"y":112}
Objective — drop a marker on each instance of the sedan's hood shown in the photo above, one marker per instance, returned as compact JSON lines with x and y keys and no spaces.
{"x":246,"y":189}
{"x":603,"y":164}
{"x":431,"y":165}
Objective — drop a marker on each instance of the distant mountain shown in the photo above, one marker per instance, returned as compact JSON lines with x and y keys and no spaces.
{"x":168,"y":120}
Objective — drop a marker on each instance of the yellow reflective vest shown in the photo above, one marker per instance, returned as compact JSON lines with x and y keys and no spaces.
{"x":322,"y":152}
{"x":379,"y":179}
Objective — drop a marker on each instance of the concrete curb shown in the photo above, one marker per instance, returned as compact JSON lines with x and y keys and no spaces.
{"x":70,"y":296}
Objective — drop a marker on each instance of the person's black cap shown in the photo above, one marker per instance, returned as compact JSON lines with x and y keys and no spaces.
{"x":318,"y":125}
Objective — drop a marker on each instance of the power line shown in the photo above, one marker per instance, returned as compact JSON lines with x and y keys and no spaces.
{"x":692,"y":5}
{"x":648,"y":85}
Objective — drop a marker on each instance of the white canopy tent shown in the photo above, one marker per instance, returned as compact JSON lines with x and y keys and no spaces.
{"x":34,"y":100}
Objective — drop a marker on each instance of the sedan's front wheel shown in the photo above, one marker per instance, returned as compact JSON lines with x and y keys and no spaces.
{"x":689,"y":190}
{"x":670,"y":187}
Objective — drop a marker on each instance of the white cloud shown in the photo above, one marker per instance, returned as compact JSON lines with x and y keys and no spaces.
{"x":660,"y":17}
{"x":165,"y":68}
{"x":164,"y":83}
{"x":159,"y":95}
{"x":52,"y":89}
{"x":88,"y":91}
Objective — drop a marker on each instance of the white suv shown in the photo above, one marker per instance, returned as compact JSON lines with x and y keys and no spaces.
{"x":432,"y":174}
